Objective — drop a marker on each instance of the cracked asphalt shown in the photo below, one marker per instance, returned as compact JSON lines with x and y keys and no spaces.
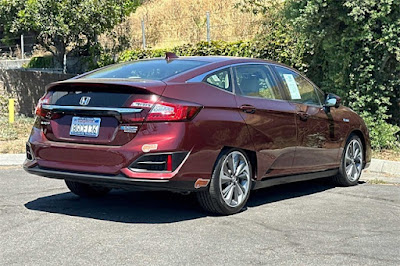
{"x":308,"y":223}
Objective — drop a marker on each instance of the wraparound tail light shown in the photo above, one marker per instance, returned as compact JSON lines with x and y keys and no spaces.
{"x":29,"y":152}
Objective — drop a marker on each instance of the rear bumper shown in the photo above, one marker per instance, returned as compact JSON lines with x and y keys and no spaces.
{"x":114,"y":181}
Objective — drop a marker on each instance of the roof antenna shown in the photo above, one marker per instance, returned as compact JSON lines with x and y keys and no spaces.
{"x":170,"y":55}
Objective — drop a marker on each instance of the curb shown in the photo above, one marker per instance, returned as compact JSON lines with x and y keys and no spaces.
{"x":12,"y":159}
{"x":384,"y":167}
{"x":377,"y":165}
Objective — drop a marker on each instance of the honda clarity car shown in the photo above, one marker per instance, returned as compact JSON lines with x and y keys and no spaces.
{"x":219,"y":127}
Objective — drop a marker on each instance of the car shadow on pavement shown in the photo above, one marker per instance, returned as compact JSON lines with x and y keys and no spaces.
{"x":288,"y":191}
{"x":159,"y":207}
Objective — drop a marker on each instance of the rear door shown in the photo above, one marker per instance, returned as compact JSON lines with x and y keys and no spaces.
{"x":270,"y":119}
{"x":318,"y":140}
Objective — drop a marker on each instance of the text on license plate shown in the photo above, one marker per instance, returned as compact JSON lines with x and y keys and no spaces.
{"x":85,"y":126}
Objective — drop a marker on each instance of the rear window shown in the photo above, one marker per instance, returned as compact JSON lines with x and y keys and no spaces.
{"x":146,"y":69}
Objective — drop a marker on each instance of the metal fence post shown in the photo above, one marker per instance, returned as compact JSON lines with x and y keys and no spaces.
{"x":65,"y":63}
{"x":143,"y":35}
{"x":208,"y":27}
{"x":22,"y":47}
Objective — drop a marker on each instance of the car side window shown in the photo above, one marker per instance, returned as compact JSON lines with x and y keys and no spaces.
{"x":256,"y":81}
{"x":300,"y":90}
{"x":220,"y":79}
{"x":321,"y":95}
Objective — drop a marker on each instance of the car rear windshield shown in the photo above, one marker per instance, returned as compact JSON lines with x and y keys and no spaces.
{"x":146,"y":69}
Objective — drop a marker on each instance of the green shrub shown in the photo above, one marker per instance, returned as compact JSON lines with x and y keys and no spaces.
{"x":383,"y":135}
{"x":40,"y":62}
{"x":263,"y":49}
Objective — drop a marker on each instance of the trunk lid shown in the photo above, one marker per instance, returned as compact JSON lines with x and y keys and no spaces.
{"x":97,"y":111}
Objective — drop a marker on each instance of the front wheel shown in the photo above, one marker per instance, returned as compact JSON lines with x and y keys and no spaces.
{"x":230,"y":184}
{"x":352,"y":162}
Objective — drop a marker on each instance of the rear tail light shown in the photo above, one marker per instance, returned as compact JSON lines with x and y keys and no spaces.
{"x":29,"y":153}
{"x":39,"y":111}
{"x":167,"y":110}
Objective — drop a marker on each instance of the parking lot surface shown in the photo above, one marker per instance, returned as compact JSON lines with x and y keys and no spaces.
{"x":308,"y":223}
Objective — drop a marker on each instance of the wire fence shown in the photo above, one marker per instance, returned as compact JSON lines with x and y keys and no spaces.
{"x":226,"y":26}
{"x":18,"y":47}
{"x":166,"y":32}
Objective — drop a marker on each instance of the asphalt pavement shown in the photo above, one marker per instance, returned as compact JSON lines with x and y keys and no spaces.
{"x":307,"y":223}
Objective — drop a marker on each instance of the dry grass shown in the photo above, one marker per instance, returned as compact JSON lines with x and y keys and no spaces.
{"x":377,"y":181}
{"x":170,"y":23}
{"x":13,"y":136}
{"x":392,"y":155}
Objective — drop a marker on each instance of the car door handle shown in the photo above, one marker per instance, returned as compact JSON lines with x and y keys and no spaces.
{"x":303,"y":115}
{"x":247,"y":108}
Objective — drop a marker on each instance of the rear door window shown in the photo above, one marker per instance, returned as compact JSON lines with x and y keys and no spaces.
{"x":256,"y":81}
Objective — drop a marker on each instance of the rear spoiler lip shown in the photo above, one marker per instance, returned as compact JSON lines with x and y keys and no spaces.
{"x":155,"y":86}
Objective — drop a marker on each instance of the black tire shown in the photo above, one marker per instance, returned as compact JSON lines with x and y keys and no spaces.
{"x":212,"y":200}
{"x":343,"y":178}
{"x":86,"y":190}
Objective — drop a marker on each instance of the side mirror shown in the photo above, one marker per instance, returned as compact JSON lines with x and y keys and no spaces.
{"x":332,"y":100}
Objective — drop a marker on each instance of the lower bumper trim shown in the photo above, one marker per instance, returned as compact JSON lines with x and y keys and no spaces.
{"x":114,"y":181}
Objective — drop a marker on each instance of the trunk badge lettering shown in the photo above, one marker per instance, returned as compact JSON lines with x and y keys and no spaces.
{"x":129,"y":129}
{"x":84,"y":100}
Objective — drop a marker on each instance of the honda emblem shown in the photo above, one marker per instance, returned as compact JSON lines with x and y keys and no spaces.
{"x":84,"y":100}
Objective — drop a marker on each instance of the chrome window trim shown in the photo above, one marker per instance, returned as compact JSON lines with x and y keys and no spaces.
{"x":87,"y":108}
{"x":201,"y":77}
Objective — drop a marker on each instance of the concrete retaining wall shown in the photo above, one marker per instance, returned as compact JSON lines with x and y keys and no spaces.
{"x":26,"y":87}
{"x":13,"y":64}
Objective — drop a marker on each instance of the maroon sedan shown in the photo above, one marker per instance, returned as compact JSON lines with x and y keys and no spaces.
{"x":217,"y":126}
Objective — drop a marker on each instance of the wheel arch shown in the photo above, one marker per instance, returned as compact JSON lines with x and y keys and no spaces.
{"x":359,"y":134}
{"x":250,"y":154}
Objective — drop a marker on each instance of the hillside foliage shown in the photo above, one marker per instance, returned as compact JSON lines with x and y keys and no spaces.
{"x":171,"y":23}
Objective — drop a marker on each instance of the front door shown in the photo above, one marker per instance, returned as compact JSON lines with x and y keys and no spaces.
{"x":318,"y":140}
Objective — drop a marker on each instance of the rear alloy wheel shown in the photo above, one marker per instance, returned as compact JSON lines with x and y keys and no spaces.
{"x":86,"y":190}
{"x":352,"y":162}
{"x":230,"y":184}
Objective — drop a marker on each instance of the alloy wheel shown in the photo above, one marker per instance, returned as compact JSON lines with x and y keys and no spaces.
{"x":234,"y":179}
{"x":353,"y":160}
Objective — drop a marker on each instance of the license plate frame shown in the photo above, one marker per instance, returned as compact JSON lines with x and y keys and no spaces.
{"x":85,"y":126}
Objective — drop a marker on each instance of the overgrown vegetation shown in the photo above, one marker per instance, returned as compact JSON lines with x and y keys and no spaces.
{"x":13,"y":136}
{"x":172,"y":23}
{"x":354,"y":51}
{"x":40,"y":62}
{"x":63,"y":26}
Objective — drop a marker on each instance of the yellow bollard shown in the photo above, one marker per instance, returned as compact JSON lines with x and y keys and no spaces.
{"x":11,"y":115}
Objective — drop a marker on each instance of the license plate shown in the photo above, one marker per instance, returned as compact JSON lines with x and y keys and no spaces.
{"x":85,"y":126}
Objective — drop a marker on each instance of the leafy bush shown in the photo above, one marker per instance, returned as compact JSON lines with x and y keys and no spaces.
{"x":40,"y":62}
{"x":383,"y":135}
{"x":272,"y":50}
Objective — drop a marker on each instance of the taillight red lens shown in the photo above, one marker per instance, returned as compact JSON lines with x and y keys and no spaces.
{"x":44,"y":100}
{"x":169,"y":162}
{"x":166,"y":111}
